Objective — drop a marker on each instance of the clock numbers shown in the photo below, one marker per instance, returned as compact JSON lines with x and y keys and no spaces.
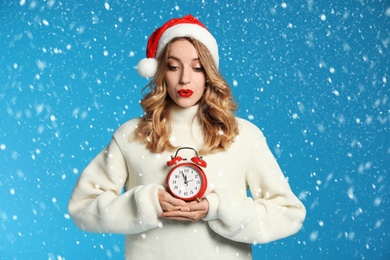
{"x":185,"y":182}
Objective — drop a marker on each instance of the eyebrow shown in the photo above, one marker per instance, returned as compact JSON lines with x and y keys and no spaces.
{"x":177,"y":59}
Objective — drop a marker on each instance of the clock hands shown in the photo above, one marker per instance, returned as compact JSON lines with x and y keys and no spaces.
{"x":185,"y":179}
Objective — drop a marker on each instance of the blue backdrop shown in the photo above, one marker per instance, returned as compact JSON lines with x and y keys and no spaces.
{"x":313,"y":75}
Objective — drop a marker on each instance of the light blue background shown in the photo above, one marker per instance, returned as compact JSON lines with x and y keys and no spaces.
{"x":313,"y":75}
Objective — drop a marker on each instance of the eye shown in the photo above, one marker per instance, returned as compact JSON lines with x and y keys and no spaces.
{"x":198,"y":69}
{"x":172,"y":68}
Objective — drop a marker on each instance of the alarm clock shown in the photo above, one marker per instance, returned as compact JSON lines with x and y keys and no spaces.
{"x":186,"y":180}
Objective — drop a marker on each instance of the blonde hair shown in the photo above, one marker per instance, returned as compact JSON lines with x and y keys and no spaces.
{"x":215,"y":113}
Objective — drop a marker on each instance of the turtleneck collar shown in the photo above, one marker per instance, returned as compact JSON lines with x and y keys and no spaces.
{"x":186,"y":128}
{"x":183,"y":115}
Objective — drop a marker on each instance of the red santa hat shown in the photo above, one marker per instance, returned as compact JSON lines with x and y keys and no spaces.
{"x":187,"y":26}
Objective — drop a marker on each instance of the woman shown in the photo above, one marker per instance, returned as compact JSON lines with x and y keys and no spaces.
{"x":188,"y":104}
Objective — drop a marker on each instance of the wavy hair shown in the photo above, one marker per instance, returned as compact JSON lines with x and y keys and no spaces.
{"x":216,"y":107}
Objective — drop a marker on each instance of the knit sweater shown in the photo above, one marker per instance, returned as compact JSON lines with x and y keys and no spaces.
{"x":234,"y":221}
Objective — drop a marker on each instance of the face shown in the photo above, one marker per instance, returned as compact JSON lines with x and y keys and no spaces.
{"x":185,"y":77}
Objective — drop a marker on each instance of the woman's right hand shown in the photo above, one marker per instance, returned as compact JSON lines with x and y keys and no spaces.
{"x":169,"y":203}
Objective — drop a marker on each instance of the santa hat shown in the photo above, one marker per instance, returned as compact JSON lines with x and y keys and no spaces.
{"x":187,"y":26}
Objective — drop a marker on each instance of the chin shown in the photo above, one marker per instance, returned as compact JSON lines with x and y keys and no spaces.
{"x":185,"y":104}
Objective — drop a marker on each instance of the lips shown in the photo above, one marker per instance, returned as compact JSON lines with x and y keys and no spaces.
{"x":185,"y":93}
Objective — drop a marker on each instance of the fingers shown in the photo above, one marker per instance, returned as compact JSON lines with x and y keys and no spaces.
{"x":165,"y":196}
{"x":176,"y":209}
{"x":192,"y":216}
{"x":169,"y":203}
{"x":190,"y":211}
{"x":203,"y":205}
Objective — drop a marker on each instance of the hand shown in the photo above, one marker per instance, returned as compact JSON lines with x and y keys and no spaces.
{"x":169,"y":203}
{"x":189,"y":211}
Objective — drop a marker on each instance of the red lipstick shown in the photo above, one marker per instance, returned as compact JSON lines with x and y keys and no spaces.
{"x":185,"y":93}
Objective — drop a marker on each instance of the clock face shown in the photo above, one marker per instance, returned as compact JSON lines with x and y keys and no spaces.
{"x":187,"y":181}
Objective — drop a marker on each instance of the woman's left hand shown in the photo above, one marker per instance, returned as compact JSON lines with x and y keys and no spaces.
{"x":192,"y":211}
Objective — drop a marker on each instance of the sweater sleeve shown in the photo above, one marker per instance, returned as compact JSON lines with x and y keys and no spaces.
{"x":272,"y":213}
{"x":98,"y":204}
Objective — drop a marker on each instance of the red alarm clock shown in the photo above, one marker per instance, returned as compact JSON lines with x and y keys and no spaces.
{"x":187,"y":181}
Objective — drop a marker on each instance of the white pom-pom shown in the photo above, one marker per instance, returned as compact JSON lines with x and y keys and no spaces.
{"x":147,"y":68}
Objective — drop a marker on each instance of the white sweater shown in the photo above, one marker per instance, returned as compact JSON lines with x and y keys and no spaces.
{"x":234,"y":221}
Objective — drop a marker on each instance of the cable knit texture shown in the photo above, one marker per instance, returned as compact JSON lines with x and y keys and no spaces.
{"x":234,"y":220}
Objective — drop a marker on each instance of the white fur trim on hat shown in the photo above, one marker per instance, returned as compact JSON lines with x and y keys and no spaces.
{"x":190,"y":30}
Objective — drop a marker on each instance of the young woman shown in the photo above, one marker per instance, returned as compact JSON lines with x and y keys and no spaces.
{"x":189,"y":113}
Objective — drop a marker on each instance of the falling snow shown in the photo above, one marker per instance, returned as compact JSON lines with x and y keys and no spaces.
{"x":313,"y":76}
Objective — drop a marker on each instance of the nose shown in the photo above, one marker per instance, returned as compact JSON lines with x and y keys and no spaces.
{"x":185,"y":77}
